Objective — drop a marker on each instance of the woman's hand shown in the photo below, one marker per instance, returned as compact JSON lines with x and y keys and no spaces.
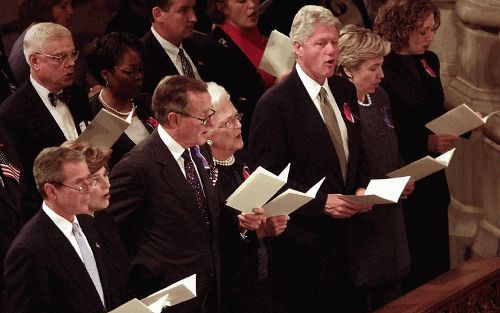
{"x":440,"y":143}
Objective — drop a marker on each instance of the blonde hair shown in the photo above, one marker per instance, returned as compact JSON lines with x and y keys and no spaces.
{"x":39,"y":34}
{"x":307,"y":17}
{"x":357,"y":45}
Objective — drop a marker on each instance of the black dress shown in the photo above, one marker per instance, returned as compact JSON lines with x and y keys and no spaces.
{"x":378,"y":249}
{"x":246,"y":276}
{"x":416,"y":95}
{"x":124,"y":144}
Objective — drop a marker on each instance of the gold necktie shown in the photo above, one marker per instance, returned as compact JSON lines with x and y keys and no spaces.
{"x":334,"y":130}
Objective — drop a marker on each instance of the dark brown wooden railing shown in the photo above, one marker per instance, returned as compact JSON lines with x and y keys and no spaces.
{"x":472,"y":287}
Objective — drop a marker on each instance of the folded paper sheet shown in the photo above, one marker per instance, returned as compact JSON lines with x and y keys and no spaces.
{"x":257,"y":189}
{"x":380,"y":191}
{"x":291,"y":200}
{"x":456,"y":122}
{"x":279,"y":56}
{"x":178,"y":292}
{"x":105,"y":129}
{"x":424,"y":167}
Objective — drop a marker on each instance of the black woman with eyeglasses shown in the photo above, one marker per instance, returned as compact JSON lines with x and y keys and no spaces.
{"x":115,"y":60}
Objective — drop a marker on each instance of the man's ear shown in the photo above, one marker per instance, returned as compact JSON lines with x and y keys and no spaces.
{"x":156,"y":13}
{"x":50,"y":191}
{"x":173,"y":120}
{"x":34,"y":62}
{"x":297,"y":47}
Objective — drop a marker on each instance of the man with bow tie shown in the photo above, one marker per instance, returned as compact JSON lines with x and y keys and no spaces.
{"x":47,"y":109}
{"x":55,"y":264}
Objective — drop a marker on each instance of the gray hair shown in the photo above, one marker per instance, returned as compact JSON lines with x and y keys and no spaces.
{"x":357,"y":45}
{"x":37,"y":36}
{"x":217,"y":94}
{"x":307,"y":17}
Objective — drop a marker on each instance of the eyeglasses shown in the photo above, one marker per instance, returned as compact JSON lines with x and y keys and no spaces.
{"x":132,"y":72}
{"x":204,"y":121}
{"x":232,"y":122}
{"x":82,"y":188}
{"x":63,"y":58}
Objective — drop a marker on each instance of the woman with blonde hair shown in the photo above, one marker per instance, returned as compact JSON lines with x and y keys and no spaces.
{"x":378,"y":249}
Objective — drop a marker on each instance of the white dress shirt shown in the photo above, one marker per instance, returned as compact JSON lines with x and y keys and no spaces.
{"x":173,"y":52}
{"x":313,"y":88}
{"x":60,"y":112}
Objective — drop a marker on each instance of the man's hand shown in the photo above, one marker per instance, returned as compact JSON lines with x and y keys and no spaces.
{"x":339,"y":208}
{"x":273,"y":226}
{"x":440,"y":143}
{"x":410,"y":186}
{"x":252,"y":221}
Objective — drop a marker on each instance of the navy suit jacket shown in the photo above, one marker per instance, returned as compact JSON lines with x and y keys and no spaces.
{"x":287,"y":128}
{"x":44,"y":274}
{"x":165,"y":236}
{"x":157,"y":63}
{"x":33,"y":128}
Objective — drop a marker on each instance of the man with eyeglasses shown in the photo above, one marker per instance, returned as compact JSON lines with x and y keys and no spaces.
{"x":168,"y":49}
{"x":163,"y":200}
{"x":55,"y":264}
{"x":47,"y":109}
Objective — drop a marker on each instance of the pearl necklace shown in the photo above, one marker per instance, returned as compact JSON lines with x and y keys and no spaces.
{"x":108,"y":107}
{"x":228,"y":162}
{"x":366,"y":104}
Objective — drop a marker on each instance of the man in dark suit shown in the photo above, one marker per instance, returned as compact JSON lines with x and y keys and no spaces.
{"x":46,"y":110}
{"x":10,"y":198}
{"x":167,"y":47}
{"x":164,"y":202}
{"x":310,"y":120}
{"x":55,"y":264}
{"x":7,"y":81}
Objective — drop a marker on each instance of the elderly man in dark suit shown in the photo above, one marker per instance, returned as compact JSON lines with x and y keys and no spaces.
{"x":310,"y":120}
{"x":46,"y":110}
{"x":55,"y":264}
{"x":164,"y":202}
{"x":168,"y":49}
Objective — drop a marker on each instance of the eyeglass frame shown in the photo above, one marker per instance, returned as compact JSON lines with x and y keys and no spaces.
{"x":80,"y":189}
{"x":131,"y":72}
{"x":204,"y":121}
{"x":62,"y":58}
{"x":238,"y":116}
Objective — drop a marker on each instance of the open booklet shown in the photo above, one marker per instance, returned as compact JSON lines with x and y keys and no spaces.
{"x":178,"y":292}
{"x":424,"y":167}
{"x":456,"y":122}
{"x":259,"y":187}
{"x":105,"y":129}
{"x":278,"y":57}
{"x":380,"y":191}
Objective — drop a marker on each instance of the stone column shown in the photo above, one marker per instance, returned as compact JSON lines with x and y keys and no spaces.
{"x":472,"y":65}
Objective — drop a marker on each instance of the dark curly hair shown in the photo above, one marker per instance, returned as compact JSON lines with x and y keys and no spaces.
{"x":397,"y":18}
{"x":105,"y":52}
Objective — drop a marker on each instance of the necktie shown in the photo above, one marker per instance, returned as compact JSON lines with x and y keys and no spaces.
{"x":187,"y":70}
{"x":193,"y":180}
{"x":88,"y":260}
{"x":61,"y":96}
{"x":334,"y":129}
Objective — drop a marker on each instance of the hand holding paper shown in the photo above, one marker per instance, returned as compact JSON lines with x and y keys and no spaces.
{"x":455,"y":122}
{"x":279,"y":56}
{"x":380,"y":191}
{"x":105,"y":129}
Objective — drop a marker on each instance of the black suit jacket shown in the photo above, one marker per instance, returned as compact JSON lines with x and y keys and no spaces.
{"x":157,"y":63}
{"x":228,"y":66}
{"x":287,"y":128}
{"x":11,"y":215}
{"x":166,"y":238}
{"x":43,"y":272}
{"x":33,"y":128}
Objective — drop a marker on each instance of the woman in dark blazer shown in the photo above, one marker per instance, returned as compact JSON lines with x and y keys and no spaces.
{"x":416,"y":95}
{"x":116,"y":62}
{"x":233,"y":53}
{"x":378,"y":248}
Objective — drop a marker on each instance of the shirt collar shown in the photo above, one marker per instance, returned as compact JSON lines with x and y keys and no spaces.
{"x":175,"y":148}
{"x":165,"y":44}
{"x":312,"y":87}
{"x":63,"y":224}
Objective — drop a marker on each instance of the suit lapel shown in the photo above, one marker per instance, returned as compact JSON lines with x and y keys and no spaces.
{"x":41,"y":117}
{"x":314,"y":126}
{"x":70,"y":261}
{"x":163,"y":60}
{"x":172,"y":175}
